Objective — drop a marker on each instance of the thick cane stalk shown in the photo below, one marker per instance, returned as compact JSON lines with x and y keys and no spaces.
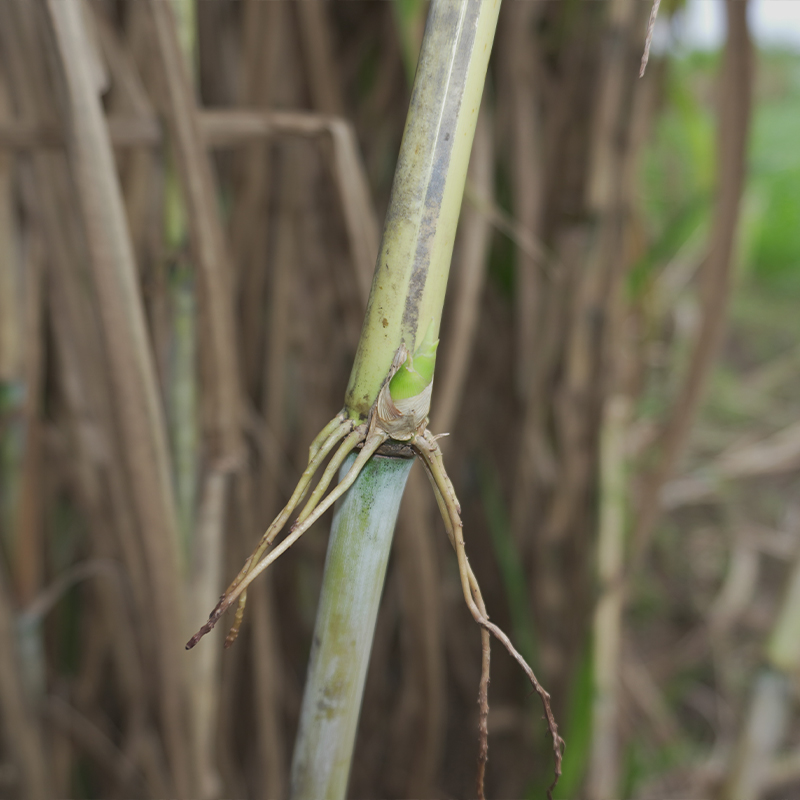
{"x":410,"y":278}
{"x":355,"y":567}
{"x":404,"y":309}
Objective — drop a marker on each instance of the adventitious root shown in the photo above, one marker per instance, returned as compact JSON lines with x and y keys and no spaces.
{"x":333,"y":433}
{"x":399,"y":413}
{"x":425,"y":445}
{"x":483,"y":686}
{"x":371,"y":444}
{"x":237,"y":621}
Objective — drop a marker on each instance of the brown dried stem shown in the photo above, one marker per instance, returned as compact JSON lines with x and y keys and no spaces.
{"x":420,"y":723}
{"x":20,"y":727}
{"x":208,"y":242}
{"x":736,"y":88}
{"x":139,"y":414}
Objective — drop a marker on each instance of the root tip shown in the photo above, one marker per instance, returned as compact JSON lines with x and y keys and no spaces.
{"x":197,"y":637}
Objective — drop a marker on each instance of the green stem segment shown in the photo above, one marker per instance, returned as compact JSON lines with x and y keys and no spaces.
{"x":358,"y":551}
{"x":408,"y":289}
{"x":405,"y":309}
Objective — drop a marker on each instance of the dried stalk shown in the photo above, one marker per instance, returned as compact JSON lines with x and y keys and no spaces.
{"x":609,"y":195}
{"x":268,"y":663}
{"x":21,"y":375}
{"x":421,"y":726}
{"x":322,"y":69}
{"x":11,"y":290}
{"x":263,"y":29}
{"x":767,"y":719}
{"x":20,"y":726}
{"x":359,"y":212}
{"x":221,"y":387}
{"x":293,"y":177}
{"x":735,"y":84}
{"x":222,"y":439}
{"x":138,"y":166}
{"x":604,"y":770}
{"x":82,"y":383}
{"x":761,"y":736}
{"x":139,"y":413}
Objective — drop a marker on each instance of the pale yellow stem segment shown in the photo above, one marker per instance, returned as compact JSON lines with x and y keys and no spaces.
{"x":410,"y":279}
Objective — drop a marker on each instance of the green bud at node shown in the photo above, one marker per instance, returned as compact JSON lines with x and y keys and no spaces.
{"x":416,"y":372}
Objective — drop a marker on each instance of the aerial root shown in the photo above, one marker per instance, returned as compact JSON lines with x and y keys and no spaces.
{"x":347,"y":446}
{"x":237,"y":621}
{"x":322,"y":437}
{"x":483,"y":686}
{"x":450,"y":509}
{"x":483,"y":711}
{"x":333,"y":433}
{"x":371,"y":444}
{"x":317,"y":454}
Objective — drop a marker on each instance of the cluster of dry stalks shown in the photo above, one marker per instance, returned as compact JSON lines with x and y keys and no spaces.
{"x":189,"y":233}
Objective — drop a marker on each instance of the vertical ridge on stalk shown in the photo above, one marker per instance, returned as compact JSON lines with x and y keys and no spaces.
{"x":410,"y":278}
